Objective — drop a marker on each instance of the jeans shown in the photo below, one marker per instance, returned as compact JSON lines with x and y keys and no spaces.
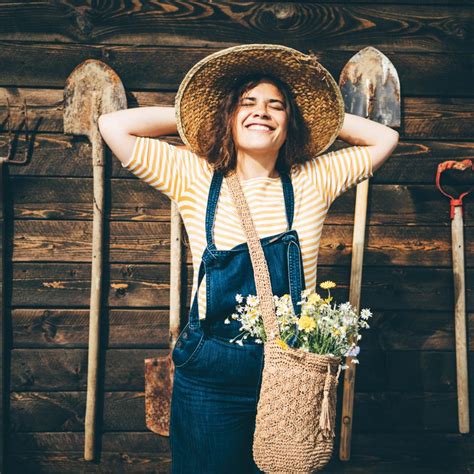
{"x":213,"y":407}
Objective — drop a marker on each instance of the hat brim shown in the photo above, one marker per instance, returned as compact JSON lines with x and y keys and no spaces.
{"x":210,"y":80}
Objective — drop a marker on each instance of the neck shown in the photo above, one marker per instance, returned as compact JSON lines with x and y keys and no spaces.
{"x":256,"y":166}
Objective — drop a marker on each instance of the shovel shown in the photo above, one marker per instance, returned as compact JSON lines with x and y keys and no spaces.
{"x":457,"y":233}
{"x":159,"y":371}
{"x":93,"y":89}
{"x":371,"y":89}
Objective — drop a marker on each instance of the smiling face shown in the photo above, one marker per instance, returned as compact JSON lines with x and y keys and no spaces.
{"x":260,"y":120}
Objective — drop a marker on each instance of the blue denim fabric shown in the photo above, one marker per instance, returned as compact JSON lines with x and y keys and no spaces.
{"x":216,"y":382}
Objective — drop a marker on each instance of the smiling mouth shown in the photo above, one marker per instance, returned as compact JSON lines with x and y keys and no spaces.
{"x":259,"y":128}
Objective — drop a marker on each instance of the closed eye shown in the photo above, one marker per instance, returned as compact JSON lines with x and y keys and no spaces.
{"x":276,"y":107}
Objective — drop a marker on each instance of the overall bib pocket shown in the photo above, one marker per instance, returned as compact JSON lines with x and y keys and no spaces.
{"x":188,"y":346}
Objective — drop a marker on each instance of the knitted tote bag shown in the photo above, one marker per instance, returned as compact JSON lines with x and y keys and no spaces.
{"x":296,"y":409}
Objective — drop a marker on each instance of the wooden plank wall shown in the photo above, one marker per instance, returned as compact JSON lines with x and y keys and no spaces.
{"x":405,"y":393}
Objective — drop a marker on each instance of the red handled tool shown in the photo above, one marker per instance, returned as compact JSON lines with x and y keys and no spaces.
{"x":457,"y":234}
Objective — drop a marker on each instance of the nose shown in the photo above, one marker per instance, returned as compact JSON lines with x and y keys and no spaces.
{"x":260,"y":110}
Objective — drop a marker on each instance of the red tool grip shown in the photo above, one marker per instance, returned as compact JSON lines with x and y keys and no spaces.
{"x":457,"y":165}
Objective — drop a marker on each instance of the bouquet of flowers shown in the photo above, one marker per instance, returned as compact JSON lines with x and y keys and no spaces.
{"x":323,"y":327}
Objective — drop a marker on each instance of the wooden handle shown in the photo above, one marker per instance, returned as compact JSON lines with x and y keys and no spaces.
{"x":175,"y":274}
{"x":358,"y":241}
{"x":95,"y":297}
{"x":460,"y":320}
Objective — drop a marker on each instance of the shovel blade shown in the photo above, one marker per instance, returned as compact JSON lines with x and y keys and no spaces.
{"x":370,"y":87}
{"x":93,"y":88}
{"x":159,"y":372}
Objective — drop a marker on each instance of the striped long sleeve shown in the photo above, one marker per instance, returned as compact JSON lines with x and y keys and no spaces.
{"x":167,"y":168}
{"x":338,"y":171}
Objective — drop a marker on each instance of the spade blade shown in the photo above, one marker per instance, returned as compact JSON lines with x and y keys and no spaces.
{"x":371,"y":88}
{"x":93,"y":88}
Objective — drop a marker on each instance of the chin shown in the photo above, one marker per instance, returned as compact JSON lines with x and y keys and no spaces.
{"x":258,"y":144}
{"x":258,"y":149}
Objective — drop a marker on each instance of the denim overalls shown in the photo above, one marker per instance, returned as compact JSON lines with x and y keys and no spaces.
{"x":216,"y":382}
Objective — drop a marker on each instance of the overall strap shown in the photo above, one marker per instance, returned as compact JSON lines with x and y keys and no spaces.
{"x":296,"y":272}
{"x":289,"y":198}
{"x":194,"y":321}
{"x":214,"y":190}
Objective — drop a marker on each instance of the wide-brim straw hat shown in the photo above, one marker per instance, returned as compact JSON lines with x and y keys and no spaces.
{"x":205,"y":86}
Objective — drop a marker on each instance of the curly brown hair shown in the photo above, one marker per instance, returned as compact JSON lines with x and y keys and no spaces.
{"x":220,"y":150}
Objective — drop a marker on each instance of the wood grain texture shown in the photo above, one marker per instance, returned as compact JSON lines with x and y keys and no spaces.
{"x":124,"y":411}
{"x":421,"y":117}
{"x":149,"y":285}
{"x":397,"y":330}
{"x":44,"y":198}
{"x":56,"y":370}
{"x":50,"y":285}
{"x":405,"y":407}
{"x":149,"y":242}
{"x":201,"y":24}
{"x":3,"y":325}
{"x":422,"y":74}
{"x":65,"y":328}
{"x":412,"y":162}
{"x":141,"y":452}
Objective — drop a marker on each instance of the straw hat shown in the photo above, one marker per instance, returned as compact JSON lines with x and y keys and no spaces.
{"x":209,"y":81}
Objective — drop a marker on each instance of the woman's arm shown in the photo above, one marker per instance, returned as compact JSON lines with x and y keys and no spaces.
{"x":380,"y":139}
{"x":119,"y":129}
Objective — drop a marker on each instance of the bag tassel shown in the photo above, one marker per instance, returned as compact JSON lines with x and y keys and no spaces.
{"x":325,"y":418}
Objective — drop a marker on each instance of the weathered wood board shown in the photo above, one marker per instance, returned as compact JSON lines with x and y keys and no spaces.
{"x":405,"y":392}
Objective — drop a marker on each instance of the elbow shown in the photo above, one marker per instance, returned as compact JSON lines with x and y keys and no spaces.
{"x":395,"y":138}
{"x":393,"y":135}
{"x":391,"y":139}
{"x":101,"y":121}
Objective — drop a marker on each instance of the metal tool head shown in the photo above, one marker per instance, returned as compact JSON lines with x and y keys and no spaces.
{"x":92,"y":89}
{"x":371,"y":88}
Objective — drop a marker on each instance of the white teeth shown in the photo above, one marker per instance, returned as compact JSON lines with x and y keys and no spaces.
{"x":259,"y":127}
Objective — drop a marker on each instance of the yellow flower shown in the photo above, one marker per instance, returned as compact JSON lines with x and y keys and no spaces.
{"x":281,"y":343}
{"x":313,"y":298}
{"x":286,"y":298}
{"x":253,"y":314}
{"x":306,"y":323}
{"x":327,"y":284}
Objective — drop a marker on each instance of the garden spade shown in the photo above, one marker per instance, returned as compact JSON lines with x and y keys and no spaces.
{"x":93,"y":89}
{"x":457,"y":232}
{"x":371,"y":89}
{"x":159,"y":371}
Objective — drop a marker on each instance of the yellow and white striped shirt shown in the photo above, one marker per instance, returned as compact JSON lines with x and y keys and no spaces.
{"x":185,"y":178}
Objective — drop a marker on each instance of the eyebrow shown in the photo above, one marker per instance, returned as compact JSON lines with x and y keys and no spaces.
{"x":271,"y":100}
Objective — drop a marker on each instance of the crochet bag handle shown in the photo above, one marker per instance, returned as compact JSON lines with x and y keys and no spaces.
{"x":259,"y":263}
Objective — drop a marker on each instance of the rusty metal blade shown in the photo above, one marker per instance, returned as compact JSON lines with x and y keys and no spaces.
{"x":91,"y":79}
{"x":371,"y":88}
{"x":159,"y":372}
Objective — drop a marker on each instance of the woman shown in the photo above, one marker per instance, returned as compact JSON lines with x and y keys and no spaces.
{"x":266,"y":113}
